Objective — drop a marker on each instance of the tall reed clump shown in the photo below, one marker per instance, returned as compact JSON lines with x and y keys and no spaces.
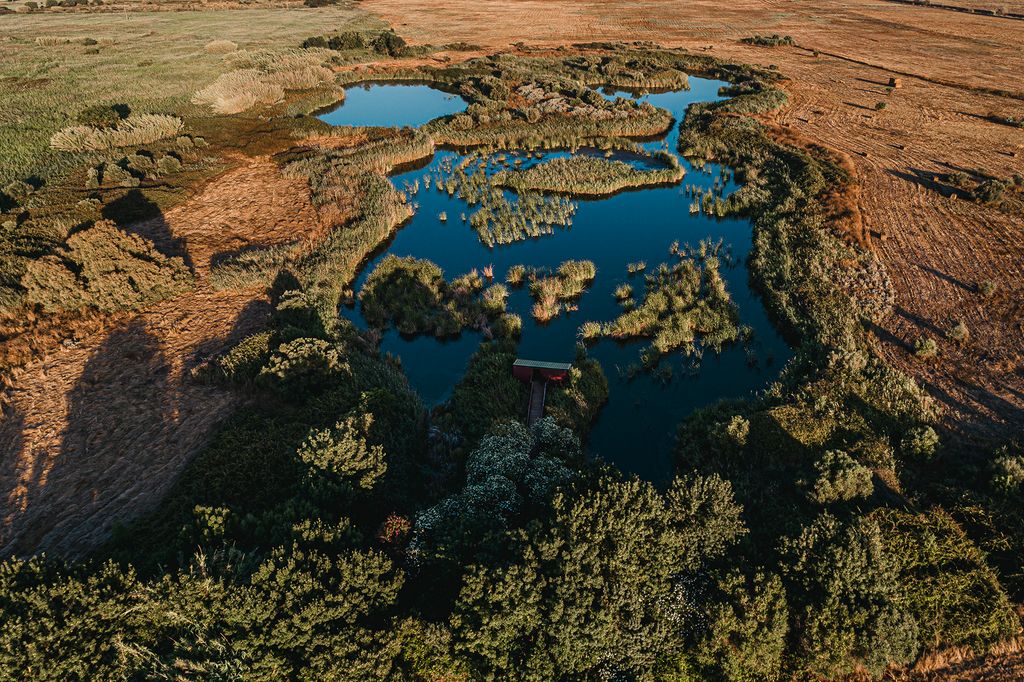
{"x":589,"y":176}
{"x":136,"y":129}
{"x":501,"y":220}
{"x":262,"y":78}
{"x":338,"y":179}
{"x":220,"y":46}
{"x":553,"y":294}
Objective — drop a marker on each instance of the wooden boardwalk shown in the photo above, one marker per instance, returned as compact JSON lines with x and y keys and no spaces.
{"x":538,"y":393}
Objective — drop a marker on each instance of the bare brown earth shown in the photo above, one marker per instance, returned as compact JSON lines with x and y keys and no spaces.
{"x":97,"y":430}
{"x":936,"y":248}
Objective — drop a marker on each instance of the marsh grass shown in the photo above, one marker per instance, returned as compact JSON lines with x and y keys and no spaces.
{"x":263,"y":77}
{"x":155,"y":64}
{"x":554,"y":293}
{"x":589,"y":176}
{"x":684,"y":303}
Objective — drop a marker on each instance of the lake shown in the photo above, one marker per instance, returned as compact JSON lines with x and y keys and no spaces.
{"x":636,"y":428}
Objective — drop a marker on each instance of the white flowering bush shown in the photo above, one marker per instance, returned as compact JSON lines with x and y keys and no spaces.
{"x":511,"y":475}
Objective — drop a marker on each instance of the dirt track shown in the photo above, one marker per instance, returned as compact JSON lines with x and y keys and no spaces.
{"x":935,"y":248}
{"x":98,"y":431}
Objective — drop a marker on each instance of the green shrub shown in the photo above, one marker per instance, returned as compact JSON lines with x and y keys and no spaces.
{"x":747,"y":623}
{"x":1008,"y":473}
{"x":774,"y":40}
{"x":959,"y":332}
{"x":920,"y":442}
{"x":413,"y":294}
{"x":947,"y":585}
{"x":840,"y":478}
{"x":300,"y":368}
{"x":244,"y":361}
{"x":845,"y":589}
{"x":926,"y":348}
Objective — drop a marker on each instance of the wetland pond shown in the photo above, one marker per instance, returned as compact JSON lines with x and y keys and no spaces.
{"x":635,"y":430}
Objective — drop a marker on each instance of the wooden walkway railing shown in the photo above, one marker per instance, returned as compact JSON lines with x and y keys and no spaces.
{"x":538,"y":393}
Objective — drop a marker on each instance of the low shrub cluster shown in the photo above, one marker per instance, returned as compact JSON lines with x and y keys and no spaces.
{"x":105,"y":268}
{"x":385,"y":42}
{"x":413,"y":295}
{"x":774,"y":40}
{"x":555,"y":293}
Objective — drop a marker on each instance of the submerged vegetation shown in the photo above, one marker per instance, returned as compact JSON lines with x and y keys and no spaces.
{"x":334,"y":528}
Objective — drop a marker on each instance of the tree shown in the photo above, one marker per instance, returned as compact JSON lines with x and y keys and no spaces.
{"x":747,"y":622}
{"x":840,"y":478}
{"x":510,"y":478}
{"x":848,"y":603}
{"x":602,"y":589}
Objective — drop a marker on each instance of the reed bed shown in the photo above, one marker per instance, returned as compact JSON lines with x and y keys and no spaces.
{"x":589,"y":176}
{"x":136,"y":129}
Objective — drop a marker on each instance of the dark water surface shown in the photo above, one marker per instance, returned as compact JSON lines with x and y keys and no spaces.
{"x":635,"y":430}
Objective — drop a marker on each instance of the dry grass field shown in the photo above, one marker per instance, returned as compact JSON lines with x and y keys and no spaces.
{"x":98,"y":430}
{"x":937,"y":248}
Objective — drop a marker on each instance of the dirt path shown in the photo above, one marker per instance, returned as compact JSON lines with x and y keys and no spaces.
{"x":96,"y":432}
{"x":936,"y":249}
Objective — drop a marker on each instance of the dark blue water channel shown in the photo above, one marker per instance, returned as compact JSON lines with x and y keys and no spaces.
{"x":636,"y":429}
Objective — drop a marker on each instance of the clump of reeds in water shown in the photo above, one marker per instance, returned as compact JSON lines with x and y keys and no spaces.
{"x":685,"y":303}
{"x":500,"y":219}
{"x":554,"y":293}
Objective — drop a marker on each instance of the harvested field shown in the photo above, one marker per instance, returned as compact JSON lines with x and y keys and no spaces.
{"x":96,"y":431}
{"x":952,"y":67}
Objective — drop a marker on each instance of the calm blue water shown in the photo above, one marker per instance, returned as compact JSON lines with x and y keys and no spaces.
{"x":376,"y":104}
{"x":635,"y":430}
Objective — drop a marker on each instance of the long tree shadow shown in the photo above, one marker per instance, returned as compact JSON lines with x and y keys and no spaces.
{"x":121,"y":404}
{"x":12,"y":489}
{"x":948,"y":278}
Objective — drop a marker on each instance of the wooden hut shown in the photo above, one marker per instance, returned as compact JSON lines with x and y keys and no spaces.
{"x":538,"y":373}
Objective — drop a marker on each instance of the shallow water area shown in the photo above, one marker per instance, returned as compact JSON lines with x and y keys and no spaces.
{"x":636,"y":428}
